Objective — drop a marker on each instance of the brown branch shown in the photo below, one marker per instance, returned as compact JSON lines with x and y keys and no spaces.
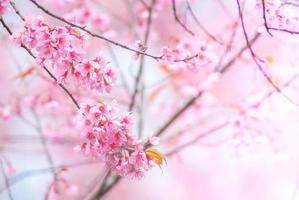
{"x":189,"y":103}
{"x":6,"y":181}
{"x":200,"y":136}
{"x":217,"y":128}
{"x":13,"y":5}
{"x":141,"y":65}
{"x":107,"y":188}
{"x":179,"y":113}
{"x":291,"y":3}
{"x":43,"y":139}
{"x":92,"y":33}
{"x":44,"y":67}
{"x":46,"y":150}
{"x":239,"y":53}
{"x":144,"y":4}
{"x":229,"y":45}
{"x":265,"y":18}
{"x":256,"y":59}
{"x":202,"y":26}
{"x":269,"y":94}
{"x":284,"y":30}
{"x":29,"y":173}
{"x":177,"y":19}
{"x":104,"y":188}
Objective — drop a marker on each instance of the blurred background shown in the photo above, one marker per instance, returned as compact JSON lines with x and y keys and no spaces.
{"x":239,"y":141}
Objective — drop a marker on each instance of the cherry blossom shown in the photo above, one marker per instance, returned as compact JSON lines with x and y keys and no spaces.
{"x":109,"y":137}
{"x":62,"y":48}
{"x":3,"y":6}
{"x":187,"y":56}
{"x":279,"y":14}
{"x":202,"y":75}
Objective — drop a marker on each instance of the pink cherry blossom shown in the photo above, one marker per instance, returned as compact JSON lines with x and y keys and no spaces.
{"x":62,"y":48}
{"x":205,"y":84}
{"x":187,"y":56}
{"x":108,"y":137}
{"x":3,"y":6}
{"x":278,"y":14}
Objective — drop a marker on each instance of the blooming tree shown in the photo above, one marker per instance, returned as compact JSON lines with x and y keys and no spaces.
{"x":124,"y":87}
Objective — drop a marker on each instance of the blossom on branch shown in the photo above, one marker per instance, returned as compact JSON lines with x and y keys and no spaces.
{"x":187,"y":56}
{"x":108,"y":137}
{"x":278,"y":13}
{"x":62,"y":47}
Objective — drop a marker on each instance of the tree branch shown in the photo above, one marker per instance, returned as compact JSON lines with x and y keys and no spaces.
{"x":92,"y":33}
{"x":177,"y":19}
{"x":200,"y":136}
{"x":6,"y":181}
{"x":141,"y":65}
{"x":44,"y":67}
{"x":201,"y":26}
{"x":256,"y":59}
{"x":265,"y":18}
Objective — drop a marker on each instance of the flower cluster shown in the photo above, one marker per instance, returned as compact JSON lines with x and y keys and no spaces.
{"x":185,"y":57}
{"x":3,"y":6}
{"x":279,"y":14}
{"x":62,"y":48}
{"x":108,"y":137}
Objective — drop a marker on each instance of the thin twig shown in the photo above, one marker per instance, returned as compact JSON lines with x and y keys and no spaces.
{"x":179,"y":113}
{"x":202,"y":26}
{"x":284,"y":30}
{"x":29,"y":173}
{"x":107,"y":188}
{"x":255,"y":58}
{"x":104,"y":188}
{"x":265,"y":18}
{"x":189,"y":103}
{"x":177,"y":19}
{"x":200,"y":136}
{"x":6,"y":181}
{"x":141,"y":65}
{"x":44,"y":67}
{"x":13,"y":5}
{"x":239,"y":53}
{"x":228,"y":46}
{"x":92,"y":33}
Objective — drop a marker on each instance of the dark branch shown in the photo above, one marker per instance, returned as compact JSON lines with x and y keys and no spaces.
{"x":6,"y":181}
{"x":92,"y":33}
{"x":265,"y":18}
{"x":257,"y":60}
{"x":201,"y":26}
{"x":45,"y":68}
{"x":200,"y":136}
{"x":178,"y":20}
{"x":141,"y":66}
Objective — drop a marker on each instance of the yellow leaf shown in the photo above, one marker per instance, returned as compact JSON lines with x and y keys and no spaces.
{"x":77,"y":32}
{"x":152,"y":96}
{"x":156,"y":156}
{"x":101,"y":101}
{"x":25,"y":73}
{"x":166,"y":69}
{"x":269,"y":59}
